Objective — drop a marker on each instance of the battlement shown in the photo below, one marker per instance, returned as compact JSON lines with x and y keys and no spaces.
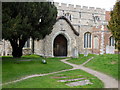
{"x":78,"y":8}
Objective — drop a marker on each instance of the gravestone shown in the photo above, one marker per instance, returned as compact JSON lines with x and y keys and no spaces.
{"x":75,"y":53}
{"x":86,"y":52}
{"x":110,"y":49}
{"x":66,"y":80}
{"x":79,"y":83}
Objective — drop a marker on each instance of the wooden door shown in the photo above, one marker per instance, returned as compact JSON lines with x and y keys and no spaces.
{"x":60,"y":46}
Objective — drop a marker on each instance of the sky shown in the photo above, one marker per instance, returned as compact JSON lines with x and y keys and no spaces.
{"x":106,"y":4}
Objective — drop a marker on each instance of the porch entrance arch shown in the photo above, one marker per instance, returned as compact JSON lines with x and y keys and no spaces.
{"x":60,"y":46}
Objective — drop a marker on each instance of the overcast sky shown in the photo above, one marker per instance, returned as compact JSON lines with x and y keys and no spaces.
{"x":106,"y":4}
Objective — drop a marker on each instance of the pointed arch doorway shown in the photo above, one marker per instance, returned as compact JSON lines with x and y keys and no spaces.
{"x":60,"y":46}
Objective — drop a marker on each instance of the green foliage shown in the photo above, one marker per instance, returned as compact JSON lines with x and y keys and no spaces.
{"x":20,"y":21}
{"x":114,"y":23}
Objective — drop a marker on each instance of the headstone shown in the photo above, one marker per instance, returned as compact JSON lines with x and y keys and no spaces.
{"x":70,"y":80}
{"x":86,"y":52}
{"x":79,"y":83}
{"x":110,"y":49}
{"x":60,"y":77}
{"x":75,"y":53}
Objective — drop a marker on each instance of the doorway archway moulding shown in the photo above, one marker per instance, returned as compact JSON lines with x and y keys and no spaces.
{"x":68,"y":42}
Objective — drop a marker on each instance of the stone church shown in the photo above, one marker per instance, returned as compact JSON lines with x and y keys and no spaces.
{"x":78,"y":30}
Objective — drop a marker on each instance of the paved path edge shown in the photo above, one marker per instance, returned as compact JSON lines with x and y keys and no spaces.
{"x":109,"y":82}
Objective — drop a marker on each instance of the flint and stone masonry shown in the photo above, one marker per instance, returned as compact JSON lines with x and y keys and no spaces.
{"x":68,"y":34}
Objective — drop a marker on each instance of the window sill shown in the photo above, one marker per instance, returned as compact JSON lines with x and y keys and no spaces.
{"x":87,"y":48}
{"x":27,"y":48}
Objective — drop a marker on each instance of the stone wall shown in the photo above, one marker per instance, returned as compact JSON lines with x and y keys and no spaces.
{"x":39,"y":47}
{"x":58,"y":29}
{"x":27,"y":51}
{"x":82,"y":19}
{"x":80,"y":15}
{"x":5,"y":48}
{"x":80,"y":40}
{"x":63,"y":29}
{"x":96,"y":49}
{"x":1,"y":48}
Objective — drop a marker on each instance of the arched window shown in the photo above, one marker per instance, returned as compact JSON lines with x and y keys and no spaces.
{"x":96,"y":42}
{"x":87,"y":40}
{"x":112,"y":41}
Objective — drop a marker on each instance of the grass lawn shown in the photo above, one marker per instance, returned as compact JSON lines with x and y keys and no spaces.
{"x":107,"y":63}
{"x":51,"y":82}
{"x":13,"y":68}
{"x":81,"y":59}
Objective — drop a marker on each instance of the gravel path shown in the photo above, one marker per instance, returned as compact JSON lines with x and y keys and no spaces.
{"x":108,"y":81}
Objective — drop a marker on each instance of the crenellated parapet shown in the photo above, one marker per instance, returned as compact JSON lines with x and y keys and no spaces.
{"x":71,"y":7}
{"x":81,"y":15}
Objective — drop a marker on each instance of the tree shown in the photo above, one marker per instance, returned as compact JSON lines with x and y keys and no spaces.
{"x":22,"y":20}
{"x":114,"y":24}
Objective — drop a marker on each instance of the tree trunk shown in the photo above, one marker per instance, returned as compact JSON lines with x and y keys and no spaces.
{"x":17,"y":47}
{"x":17,"y":52}
{"x":33,"y":46}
